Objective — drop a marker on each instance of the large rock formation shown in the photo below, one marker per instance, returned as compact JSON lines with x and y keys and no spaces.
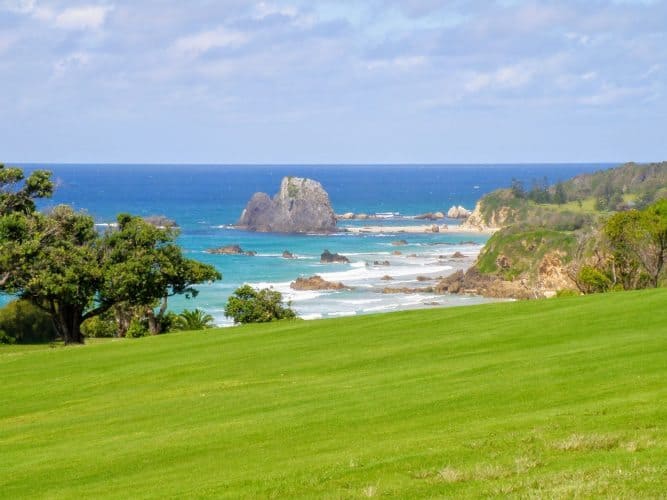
{"x":301,"y":206}
{"x":458,"y":212}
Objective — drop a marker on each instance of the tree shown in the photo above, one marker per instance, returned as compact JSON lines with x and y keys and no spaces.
{"x":193,"y":320}
{"x":560,"y":197}
{"x":248,"y":305}
{"x":638,"y":243}
{"x":18,"y":194}
{"x":517,"y":188}
{"x":60,"y":263}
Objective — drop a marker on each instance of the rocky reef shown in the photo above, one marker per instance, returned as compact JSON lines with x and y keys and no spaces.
{"x":231,"y":250}
{"x":316,"y":283}
{"x":330,"y":258}
{"x":301,"y":206}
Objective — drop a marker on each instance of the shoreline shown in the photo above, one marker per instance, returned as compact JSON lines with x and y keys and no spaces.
{"x":420,"y":229}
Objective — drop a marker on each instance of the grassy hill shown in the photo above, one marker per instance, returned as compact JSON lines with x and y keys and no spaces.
{"x":566,"y":397}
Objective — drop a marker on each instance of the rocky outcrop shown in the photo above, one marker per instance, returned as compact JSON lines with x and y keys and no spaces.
{"x":458,"y":212}
{"x":288,"y":255}
{"x":160,"y":221}
{"x":329,"y":258}
{"x":381,"y":263}
{"x":316,"y":283}
{"x":409,"y":290}
{"x":475,"y":283}
{"x":231,"y":250}
{"x":458,"y":255}
{"x":430,"y":216}
{"x":497,"y":219}
{"x":301,"y":206}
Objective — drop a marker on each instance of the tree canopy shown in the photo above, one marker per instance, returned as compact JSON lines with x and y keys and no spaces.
{"x":248,"y":305}
{"x":62,"y":264}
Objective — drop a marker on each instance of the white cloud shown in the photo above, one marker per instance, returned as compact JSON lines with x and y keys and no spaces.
{"x":265,"y":9}
{"x":506,"y":77}
{"x":397,"y":63}
{"x":200,"y":43}
{"x":83,"y":17}
{"x":611,"y":94}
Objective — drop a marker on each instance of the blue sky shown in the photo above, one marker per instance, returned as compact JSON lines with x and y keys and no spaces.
{"x":401,"y":81}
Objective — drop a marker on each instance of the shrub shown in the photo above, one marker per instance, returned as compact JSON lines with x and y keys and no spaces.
{"x":591,"y":280}
{"x":23,"y":322}
{"x":136,"y":330}
{"x":100,"y":326}
{"x":193,"y":320}
{"x":248,"y":305}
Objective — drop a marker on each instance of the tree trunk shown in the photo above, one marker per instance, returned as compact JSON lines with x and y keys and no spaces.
{"x":67,"y":321}
{"x":155,"y":320}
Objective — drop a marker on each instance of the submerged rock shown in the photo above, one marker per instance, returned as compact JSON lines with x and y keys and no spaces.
{"x":381,"y":263}
{"x":231,"y":250}
{"x":301,"y":206}
{"x":288,"y":255}
{"x":399,"y":243}
{"x":316,"y":283}
{"x":328,"y":258}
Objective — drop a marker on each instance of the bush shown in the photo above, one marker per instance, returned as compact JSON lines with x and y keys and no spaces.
{"x":23,"y":322}
{"x":136,"y":330}
{"x":192,"y":320}
{"x":590,"y":280}
{"x":248,"y":305}
{"x":100,"y":326}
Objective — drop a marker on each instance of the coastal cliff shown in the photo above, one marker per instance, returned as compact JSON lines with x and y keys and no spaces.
{"x":547,"y":234}
{"x":301,"y":206}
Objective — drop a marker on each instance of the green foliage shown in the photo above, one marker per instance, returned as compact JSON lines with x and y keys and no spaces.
{"x":566,"y":292}
{"x":638,"y":244}
{"x":591,"y":280}
{"x":523,"y":248}
{"x":560,"y":196}
{"x":136,"y":330}
{"x":17,"y":194}
{"x":193,"y":320}
{"x":22,"y":322}
{"x":248,"y":305}
{"x":61,"y":263}
{"x":104,"y":325}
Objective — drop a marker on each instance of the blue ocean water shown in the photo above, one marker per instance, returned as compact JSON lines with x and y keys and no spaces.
{"x":206,"y":199}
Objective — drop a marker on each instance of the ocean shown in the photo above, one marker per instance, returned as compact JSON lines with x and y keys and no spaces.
{"x":205,"y":200}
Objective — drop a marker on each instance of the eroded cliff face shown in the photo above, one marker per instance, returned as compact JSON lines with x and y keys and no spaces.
{"x":301,"y":206}
{"x":495,"y":220}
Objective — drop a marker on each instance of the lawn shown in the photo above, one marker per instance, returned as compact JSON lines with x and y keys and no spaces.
{"x":558,"y":398}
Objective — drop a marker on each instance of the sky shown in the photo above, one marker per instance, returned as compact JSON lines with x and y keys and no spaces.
{"x":308,"y":81}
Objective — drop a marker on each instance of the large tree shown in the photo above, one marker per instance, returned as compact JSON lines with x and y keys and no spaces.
{"x":638,"y":242}
{"x":62,"y":264}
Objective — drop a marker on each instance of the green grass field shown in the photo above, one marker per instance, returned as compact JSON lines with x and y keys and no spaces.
{"x":558,"y":398}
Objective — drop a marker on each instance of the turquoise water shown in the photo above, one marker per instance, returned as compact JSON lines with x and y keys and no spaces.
{"x":206,"y":199}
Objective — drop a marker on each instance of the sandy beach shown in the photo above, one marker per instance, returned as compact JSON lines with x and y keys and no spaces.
{"x":420,"y":229}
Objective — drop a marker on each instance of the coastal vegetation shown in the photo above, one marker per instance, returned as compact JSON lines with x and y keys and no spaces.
{"x":61,"y":264}
{"x":250,"y":305}
{"x":595,"y":232}
{"x":559,"y":398}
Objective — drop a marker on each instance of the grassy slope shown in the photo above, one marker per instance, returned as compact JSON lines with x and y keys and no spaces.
{"x":560,"y":397}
